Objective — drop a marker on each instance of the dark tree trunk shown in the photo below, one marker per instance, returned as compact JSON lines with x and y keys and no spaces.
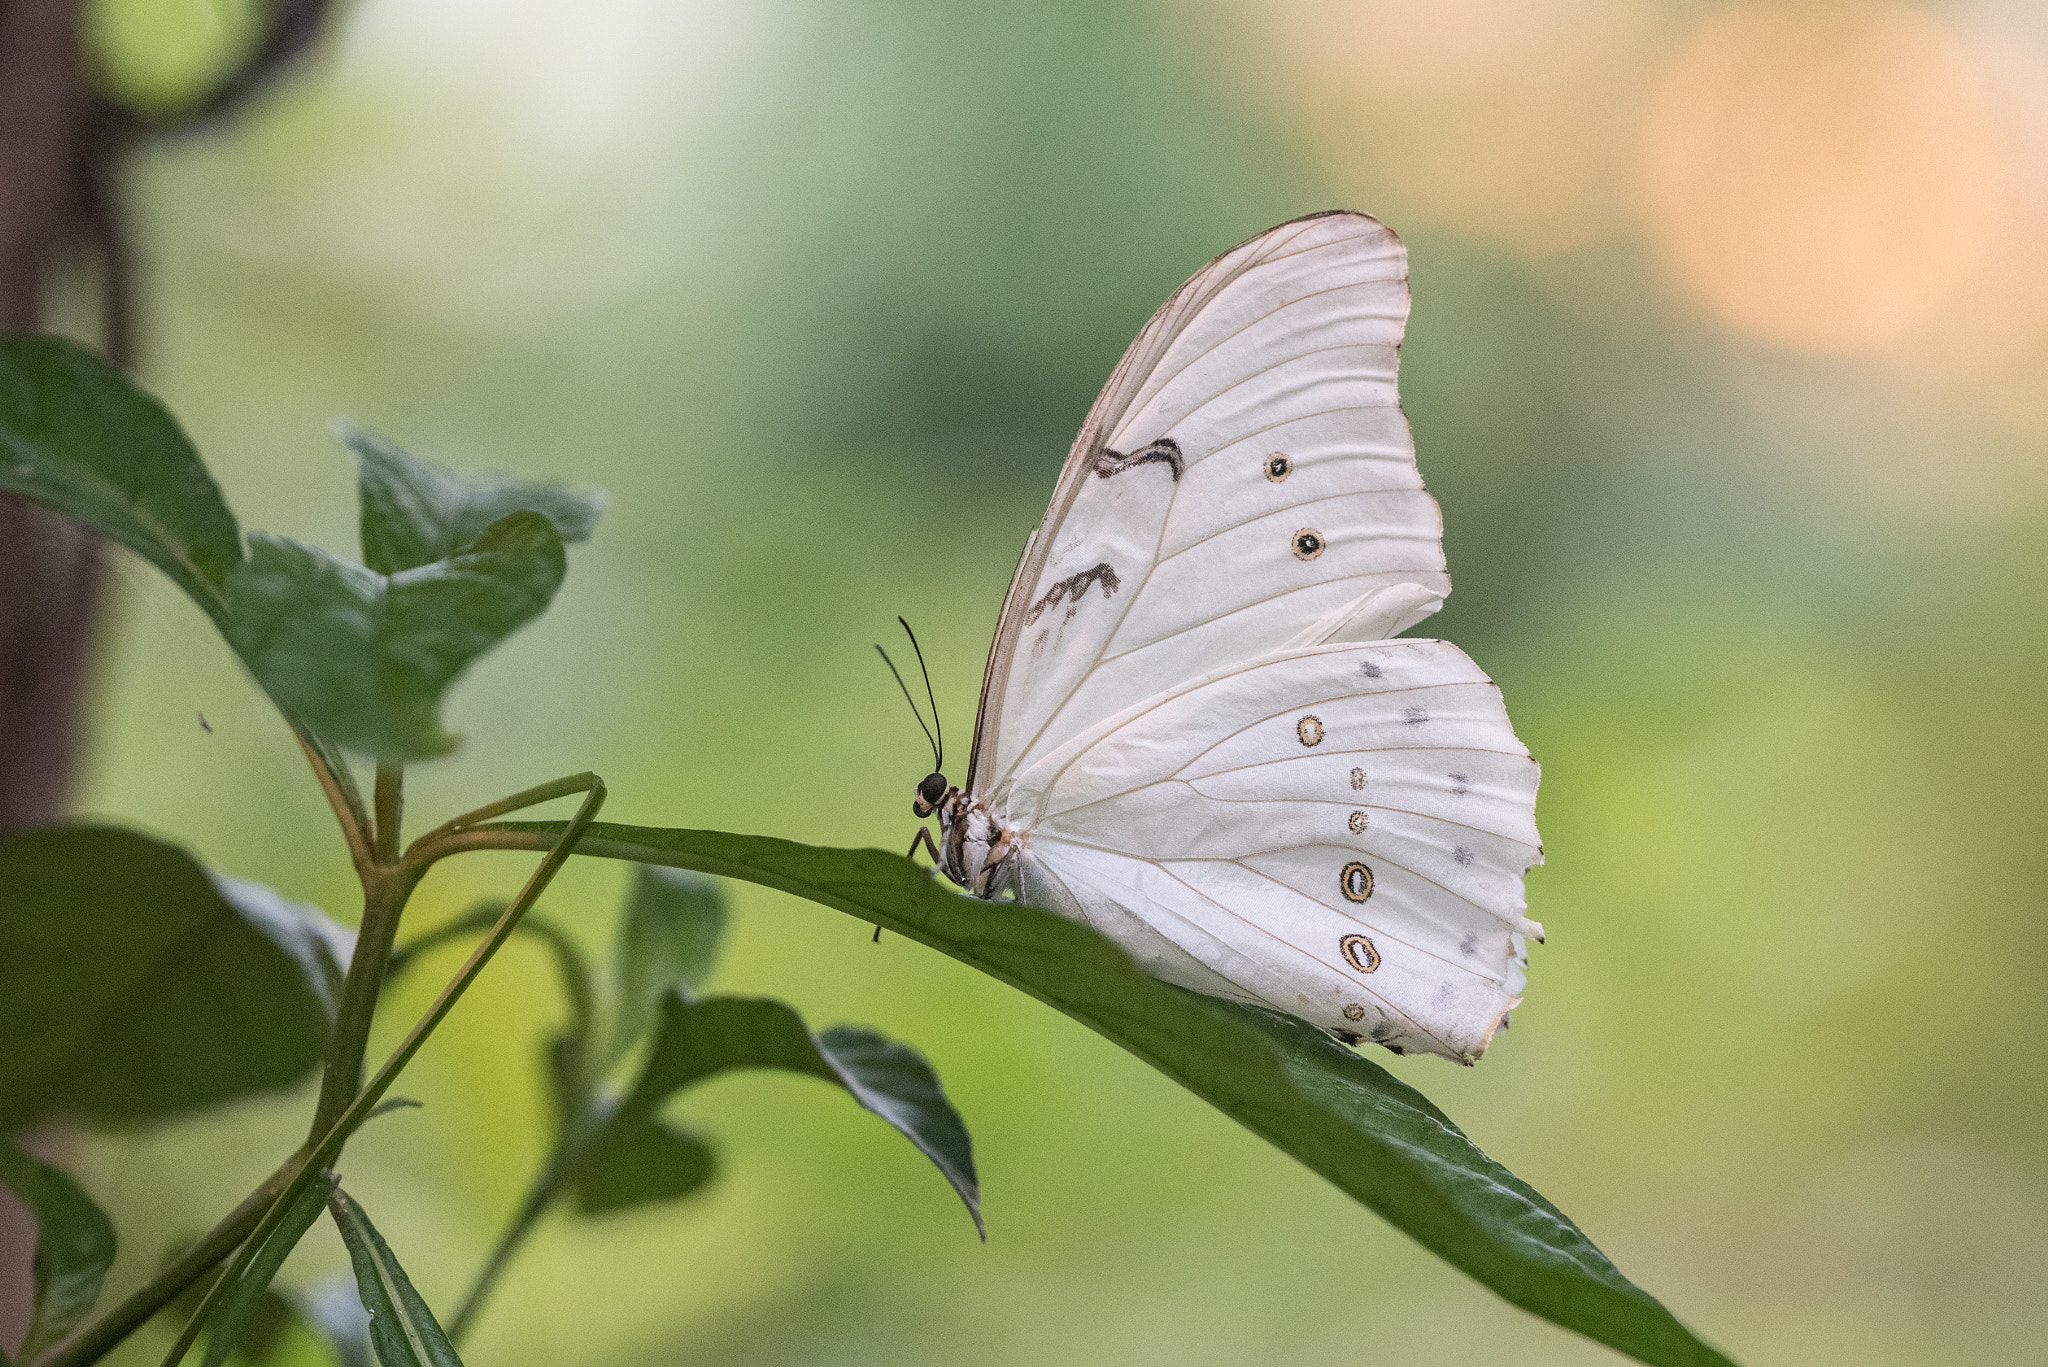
{"x":60,"y":147}
{"x":49,"y":567}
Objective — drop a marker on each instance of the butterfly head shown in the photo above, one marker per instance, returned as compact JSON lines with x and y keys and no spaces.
{"x":930,"y":794}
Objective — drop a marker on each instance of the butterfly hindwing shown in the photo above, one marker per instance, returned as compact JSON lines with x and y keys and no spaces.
{"x":1339,"y":833}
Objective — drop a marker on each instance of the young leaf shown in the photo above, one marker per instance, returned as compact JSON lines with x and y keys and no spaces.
{"x":640,"y":1161}
{"x":414,"y":512}
{"x":252,"y":1297}
{"x":1343,"y":1116}
{"x":364,"y":659}
{"x":76,"y":435}
{"x":403,"y":1331}
{"x":668,"y":938}
{"x":74,"y":1247}
{"x":696,"y":1040}
{"x":133,"y":987}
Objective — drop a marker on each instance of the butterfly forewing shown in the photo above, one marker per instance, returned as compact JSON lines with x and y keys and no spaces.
{"x":1246,"y":473}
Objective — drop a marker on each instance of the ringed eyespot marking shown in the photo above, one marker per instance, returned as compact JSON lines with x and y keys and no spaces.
{"x":1278,"y":467}
{"x":1310,"y":729}
{"x":1359,"y":953}
{"x":1308,"y":544}
{"x":1357,"y":779}
{"x":1357,"y":821}
{"x":1354,"y":1012}
{"x":1355,"y":882}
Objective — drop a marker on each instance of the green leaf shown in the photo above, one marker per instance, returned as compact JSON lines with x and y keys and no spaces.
{"x":638,"y":1161}
{"x":699,"y":1039}
{"x":403,"y":1331}
{"x":414,"y":512}
{"x":364,"y":659}
{"x":252,"y":1305}
{"x":133,"y":987}
{"x":668,"y":938}
{"x":74,"y":1246}
{"x":1343,"y":1116}
{"x":76,"y":435}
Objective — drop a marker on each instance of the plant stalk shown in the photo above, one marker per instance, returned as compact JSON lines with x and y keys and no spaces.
{"x":385,"y":891}
{"x":324,"y":1153}
{"x":96,"y":1339}
{"x":390,"y":800}
{"x":547,"y":1185}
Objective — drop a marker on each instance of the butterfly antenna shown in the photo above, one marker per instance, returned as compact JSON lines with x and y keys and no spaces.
{"x":929,"y":695}
{"x":913,"y":705}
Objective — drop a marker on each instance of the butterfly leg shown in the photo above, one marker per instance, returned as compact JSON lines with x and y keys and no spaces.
{"x":924,"y":837}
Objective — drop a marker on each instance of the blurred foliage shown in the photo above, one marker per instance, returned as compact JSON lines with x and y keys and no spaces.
{"x":826,"y":287}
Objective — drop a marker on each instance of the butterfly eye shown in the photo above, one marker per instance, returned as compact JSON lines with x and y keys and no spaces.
{"x":1278,"y":467}
{"x":929,"y":793}
{"x":1308,"y":544}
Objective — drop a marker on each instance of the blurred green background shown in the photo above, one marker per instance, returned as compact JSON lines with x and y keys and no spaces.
{"x":1729,"y":364}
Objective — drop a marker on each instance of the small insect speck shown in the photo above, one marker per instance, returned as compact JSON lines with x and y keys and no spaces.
{"x":1461,"y":784}
{"x":1415,"y":716}
{"x":1369,"y":668}
{"x":1462,"y":856}
{"x":1357,"y":779}
{"x":1310,"y":730}
{"x":202,"y":723}
{"x":1357,"y":821}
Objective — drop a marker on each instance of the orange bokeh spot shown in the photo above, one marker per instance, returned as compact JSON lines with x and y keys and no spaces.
{"x":1827,"y":178}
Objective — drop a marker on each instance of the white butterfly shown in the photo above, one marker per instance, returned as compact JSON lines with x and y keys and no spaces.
{"x":1194,"y":734}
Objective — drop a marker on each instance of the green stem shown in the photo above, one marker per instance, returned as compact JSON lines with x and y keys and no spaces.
{"x":547,"y":1185}
{"x":342,"y":797}
{"x":159,"y":1291}
{"x":329,"y":1148}
{"x":385,"y":892}
{"x":390,"y":800}
{"x":569,"y":967}
{"x":531,"y":797}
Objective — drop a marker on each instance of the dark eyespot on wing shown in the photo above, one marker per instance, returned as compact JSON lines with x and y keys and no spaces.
{"x":1073,"y":587}
{"x":1166,"y":450}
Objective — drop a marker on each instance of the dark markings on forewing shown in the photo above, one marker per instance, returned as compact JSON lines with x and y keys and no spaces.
{"x":1073,"y":587}
{"x":1166,"y":450}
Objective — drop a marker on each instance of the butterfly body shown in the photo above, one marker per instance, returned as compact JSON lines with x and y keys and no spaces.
{"x":1196,"y":733}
